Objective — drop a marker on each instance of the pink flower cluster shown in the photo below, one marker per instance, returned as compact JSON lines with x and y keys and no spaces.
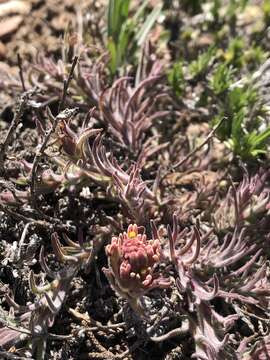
{"x":132,"y":263}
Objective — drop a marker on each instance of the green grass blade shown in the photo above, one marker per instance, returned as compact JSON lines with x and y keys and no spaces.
{"x":149,"y":22}
{"x":261,"y":138}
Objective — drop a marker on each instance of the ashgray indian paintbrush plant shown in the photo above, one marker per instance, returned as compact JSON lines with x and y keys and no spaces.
{"x":210,"y":268}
